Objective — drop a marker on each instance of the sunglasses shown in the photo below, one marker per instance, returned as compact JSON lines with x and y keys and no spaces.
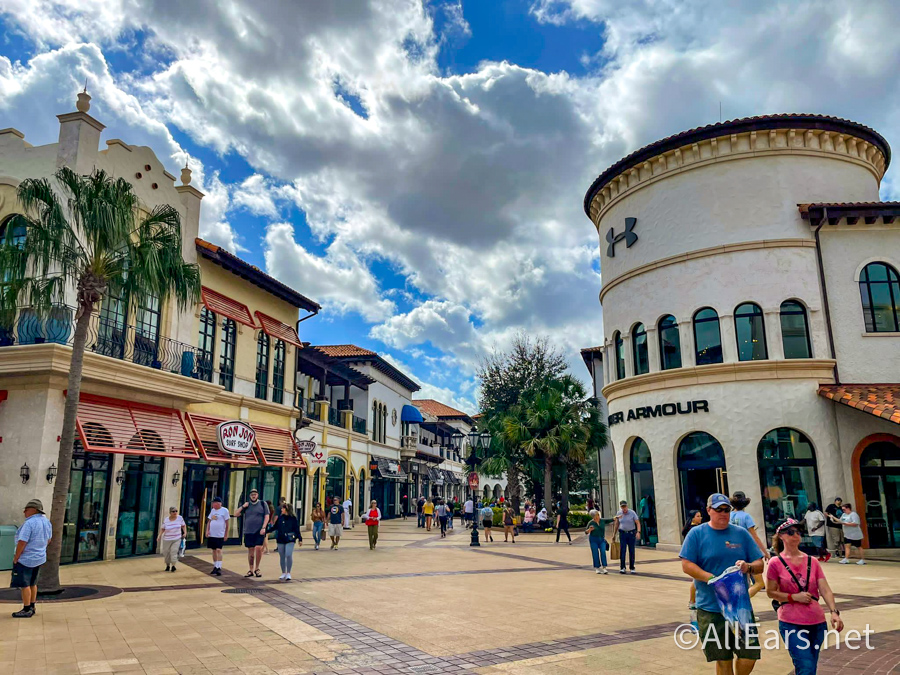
{"x":790,"y":531}
{"x":723,"y":509}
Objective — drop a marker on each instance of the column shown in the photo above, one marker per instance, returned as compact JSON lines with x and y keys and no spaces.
{"x":653,"y":349}
{"x":113,"y":489}
{"x":774,"y":344}
{"x":688,"y":348}
{"x":729,"y":338}
{"x":629,"y":354}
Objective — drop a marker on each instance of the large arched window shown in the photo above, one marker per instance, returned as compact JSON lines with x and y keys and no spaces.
{"x":701,"y":469}
{"x":335,"y":483}
{"x":643,"y":498}
{"x":879,"y":288}
{"x":751,"y":332}
{"x":707,"y":338}
{"x":787,"y":476}
{"x":226,"y":354}
{"x":639,"y":348}
{"x":669,"y":343}
{"x":795,"y":331}
{"x":620,"y":355}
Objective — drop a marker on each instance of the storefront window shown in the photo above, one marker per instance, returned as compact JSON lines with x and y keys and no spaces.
{"x":362,"y":492}
{"x":639,"y":344}
{"x":335,"y":484}
{"x":620,"y":355}
{"x":787,"y":476}
{"x":300,"y":505}
{"x":707,"y":338}
{"x":751,"y":332}
{"x":701,"y":469}
{"x":643,"y":501}
{"x":669,"y":343}
{"x":139,"y":495}
{"x":85,"y":519}
{"x":879,"y":469}
{"x":794,"y":331}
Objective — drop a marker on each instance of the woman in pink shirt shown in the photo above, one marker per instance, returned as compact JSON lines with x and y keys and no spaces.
{"x":795,"y":582}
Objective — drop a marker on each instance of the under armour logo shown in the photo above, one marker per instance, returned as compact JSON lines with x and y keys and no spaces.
{"x":628,"y":235}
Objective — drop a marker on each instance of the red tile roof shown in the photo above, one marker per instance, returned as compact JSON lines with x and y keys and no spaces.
{"x":438,"y":409}
{"x":881,"y":400}
{"x":588,"y":350}
{"x":344,"y":350}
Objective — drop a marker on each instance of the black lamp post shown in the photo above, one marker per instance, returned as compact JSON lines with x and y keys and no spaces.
{"x":476,"y":441}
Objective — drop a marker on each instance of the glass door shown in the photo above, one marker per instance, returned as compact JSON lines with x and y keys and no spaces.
{"x":83,"y":531}
{"x":299,"y":492}
{"x":201,"y":483}
{"x":139,"y":495}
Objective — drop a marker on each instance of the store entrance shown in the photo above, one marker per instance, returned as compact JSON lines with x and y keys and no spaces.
{"x":139,"y":492}
{"x":701,"y":470}
{"x":879,"y":468}
{"x":85,"y":520}
{"x":201,"y":483}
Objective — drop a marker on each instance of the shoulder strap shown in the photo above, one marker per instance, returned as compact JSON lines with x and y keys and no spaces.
{"x":800,"y":587}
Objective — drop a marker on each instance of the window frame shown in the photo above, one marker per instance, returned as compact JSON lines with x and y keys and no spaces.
{"x":206,"y":343}
{"x":279,"y":358}
{"x":263,"y":357}
{"x":661,"y":330}
{"x":228,"y":353}
{"x":619,"y":354}
{"x":869,"y":316}
{"x":640,"y":331}
{"x":801,"y":312}
{"x":757,"y":313}
{"x":694,"y":322}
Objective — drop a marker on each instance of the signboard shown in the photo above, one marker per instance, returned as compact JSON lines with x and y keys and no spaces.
{"x":315,"y":457}
{"x":393,"y":467}
{"x":235,"y":437}
{"x":663,"y":410}
{"x":473,"y":480}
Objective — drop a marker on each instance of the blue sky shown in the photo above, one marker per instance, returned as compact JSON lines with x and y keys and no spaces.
{"x":418,"y":169}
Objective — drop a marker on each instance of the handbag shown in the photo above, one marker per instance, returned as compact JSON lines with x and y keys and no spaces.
{"x":777,"y":605}
{"x":291,"y":537}
{"x":614,"y":547}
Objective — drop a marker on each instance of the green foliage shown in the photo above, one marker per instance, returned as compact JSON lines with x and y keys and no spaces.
{"x":505,"y":376}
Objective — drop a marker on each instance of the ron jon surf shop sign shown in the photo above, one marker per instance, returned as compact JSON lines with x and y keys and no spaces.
{"x":235,"y":437}
{"x":662,"y":410}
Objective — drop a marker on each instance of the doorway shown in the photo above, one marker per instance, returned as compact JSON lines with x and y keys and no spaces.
{"x":85,"y":519}
{"x":643,"y":498}
{"x":701,"y":471}
{"x":335,"y":484}
{"x":139,"y":494}
{"x":879,"y":472}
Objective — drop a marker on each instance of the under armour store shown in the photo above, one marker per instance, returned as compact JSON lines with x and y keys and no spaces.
{"x":751,"y":323}
{"x":388,"y":479}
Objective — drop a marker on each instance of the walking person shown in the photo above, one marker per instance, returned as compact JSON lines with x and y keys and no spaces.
{"x":595,"y":531}
{"x":562,"y":523}
{"x":335,"y":518}
{"x":405,"y":507}
{"x":32,"y":539}
{"x":270,"y":526}
{"x":741,"y":518}
{"x":853,"y":534}
{"x":287,"y":534}
{"x":628,"y":527}
{"x":172,"y":532}
{"x":509,"y":524}
{"x":373,"y":522}
{"x":256,"y":517}
{"x":450,"y":506}
{"x":428,"y":510}
{"x":695,"y":518}
{"x":348,"y":517}
{"x":795,"y":582}
{"x":318,"y":524}
{"x":469,"y":512}
{"x":487,"y":522}
{"x":815,"y":528}
{"x":216,"y":529}
{"x":708,"y":550}
{"x":834,"y":531}
{"x":420,"y":512}
{"x":441,"y":511}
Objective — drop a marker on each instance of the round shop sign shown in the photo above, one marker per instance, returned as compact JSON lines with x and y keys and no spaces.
{"x":235,"y":437}
{"x":315,"y":456}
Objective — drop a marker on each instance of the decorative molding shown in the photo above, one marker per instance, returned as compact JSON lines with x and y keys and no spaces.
{"x":821,"y":370}
{"x":703,"y":253}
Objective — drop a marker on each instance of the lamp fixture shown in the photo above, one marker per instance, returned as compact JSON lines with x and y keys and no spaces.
{"x":120,"y":476}
{"x":175,"y":478}
{"x":485,"y":439}
{"x":51,"y":473}
{"x":25,"y":473}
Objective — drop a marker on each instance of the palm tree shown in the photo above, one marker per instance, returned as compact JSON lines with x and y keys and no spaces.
{"x":504,"y":455}
{"x":91,"y":235}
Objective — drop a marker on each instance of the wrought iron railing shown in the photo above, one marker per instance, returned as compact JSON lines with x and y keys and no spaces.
{"x":359,"y":424}
{"x":108,"y":337}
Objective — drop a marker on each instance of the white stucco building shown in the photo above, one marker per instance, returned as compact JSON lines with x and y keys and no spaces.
{"x":751,"y":312}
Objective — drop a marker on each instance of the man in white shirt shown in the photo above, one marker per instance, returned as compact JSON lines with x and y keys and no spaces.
{"x":468,"y":511}
{"x":216,"y":530}
{"x":348,"y":523}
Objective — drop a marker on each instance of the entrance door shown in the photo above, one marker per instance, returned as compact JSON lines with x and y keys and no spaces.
{"x":201,"y":483}
{"x":879,"y":468}
{"x":701,"y":470}
{"x":138,"y":506}
{"x":335,"y":483}
{"x":643,"y":498}
{"x":85,"y":520}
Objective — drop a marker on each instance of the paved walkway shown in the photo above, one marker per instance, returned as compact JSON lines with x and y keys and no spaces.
{"x":418,"y":604}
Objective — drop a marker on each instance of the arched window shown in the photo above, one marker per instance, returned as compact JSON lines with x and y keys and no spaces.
{"x":701,"y":469}
{"x":787,"y":475}
{"x":362,"y":506}
{"x":262,"y":366}
{"x":384,"y":423}
{"x":879,"y":472}
{"x":374,"y":420}
{"x":335,"y":483}
{"x":620,"y":355}
{"x":226,"y":354}
{"x":879,"y":288}
{"x":751,"y":332}
{"x":669,"y":343}
{"x":639,"y":347}
{"x":794,"y":331}
{"x":278,"y":372}
{"x":205,"y":344}
{"x":643,"y":499}
{"x":707,"y":338}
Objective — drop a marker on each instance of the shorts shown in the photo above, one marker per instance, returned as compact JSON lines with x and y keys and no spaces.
{"x":253,"y":539}
{"x":23,"y":576}
{"x":469,"y":517}
{"x":215,"y":542}
{"x":487,"y":523}
{"x":719,"y":641}
{"x":335,"y":529}
{"x":855,"y":543}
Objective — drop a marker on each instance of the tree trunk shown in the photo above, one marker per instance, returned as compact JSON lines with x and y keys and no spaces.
{"x":565,"y":486}
{"x":548,"y":483}
{"x":512,"y":476}
{"x":49,"y":575}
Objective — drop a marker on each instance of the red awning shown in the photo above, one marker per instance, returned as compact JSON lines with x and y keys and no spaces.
{"x":280,"y":331}
{"x":204,"y":431}
{"x":277,"y":447}
{"x":110,"y":425}
{"x":222,"y":304}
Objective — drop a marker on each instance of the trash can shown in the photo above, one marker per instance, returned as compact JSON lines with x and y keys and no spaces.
{"x":7,"y":546}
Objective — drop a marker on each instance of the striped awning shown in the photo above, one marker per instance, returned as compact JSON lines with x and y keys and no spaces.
{"x":221,"y":304}
{"x":278,"y":330}
{"x":389,"y":468}
{"x":277,"y":447}
{"x":112,"y":425}
{"x":203,"y":429}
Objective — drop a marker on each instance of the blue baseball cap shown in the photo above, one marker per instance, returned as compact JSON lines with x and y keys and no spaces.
{"x":217,"y":499}
{"x":716,"y":500}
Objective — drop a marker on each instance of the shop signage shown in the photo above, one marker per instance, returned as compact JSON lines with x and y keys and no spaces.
{"x":627,"y":234}
{"x":235,"y":437}
{"x":473,"y":480}
{"x":315,"y":457}
{"x":393,"y":467}
{"x":663,"y":410}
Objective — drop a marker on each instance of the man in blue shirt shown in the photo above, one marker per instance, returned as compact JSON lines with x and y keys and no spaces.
{"x":31,"y":552}
{"x":708,"y":550}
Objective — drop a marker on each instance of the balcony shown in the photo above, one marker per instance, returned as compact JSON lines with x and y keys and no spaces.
{"x":334,"y":417}
{"x":359,"y":424}
{"x":110,"y":338}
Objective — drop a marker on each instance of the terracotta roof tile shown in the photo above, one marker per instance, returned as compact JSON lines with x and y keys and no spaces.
{"x":438,"y":409}
{"x":344,"y":350}
{"x":881,"y":400}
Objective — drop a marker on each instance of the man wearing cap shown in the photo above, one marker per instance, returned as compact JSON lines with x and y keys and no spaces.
{"x":628,"y":525}
{"x":216,"y":529}
{"x":31,"y":552}
{"x":256,"y":517}
{"x":708,"y":550}
{"x":834,"y":532}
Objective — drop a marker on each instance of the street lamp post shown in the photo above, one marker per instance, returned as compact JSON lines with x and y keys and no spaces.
{"x":476,"y":441}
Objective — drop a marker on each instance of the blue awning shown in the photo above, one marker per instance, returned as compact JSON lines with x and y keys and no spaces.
{"x":410,"y":413}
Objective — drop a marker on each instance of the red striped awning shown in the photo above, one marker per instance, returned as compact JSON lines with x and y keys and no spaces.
{"x":221,"y":304}
{"x":110,"y":425}
{"x":280,"y":331}
{"x":203,"y":428}
{"x":277,"y":447}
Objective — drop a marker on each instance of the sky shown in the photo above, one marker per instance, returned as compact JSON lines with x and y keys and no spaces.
{"x":418,"y":168}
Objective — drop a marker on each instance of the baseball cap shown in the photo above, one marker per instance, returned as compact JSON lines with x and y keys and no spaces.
{"x":217,"y":499}
{"x":254,"y":490}
{"x":35,"y":504}
{"x":623,"y":503}
{"x":716,"y":500}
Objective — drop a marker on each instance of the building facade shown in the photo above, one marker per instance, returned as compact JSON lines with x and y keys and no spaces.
{"x":751,"y":311}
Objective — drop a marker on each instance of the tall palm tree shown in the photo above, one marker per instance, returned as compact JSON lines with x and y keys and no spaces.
{"x":90,"y":234}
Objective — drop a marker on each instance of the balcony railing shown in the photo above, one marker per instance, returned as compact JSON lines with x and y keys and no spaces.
{"x":359,"y":424}
{"x":334,"y":417}
{"x":108,"y":337}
